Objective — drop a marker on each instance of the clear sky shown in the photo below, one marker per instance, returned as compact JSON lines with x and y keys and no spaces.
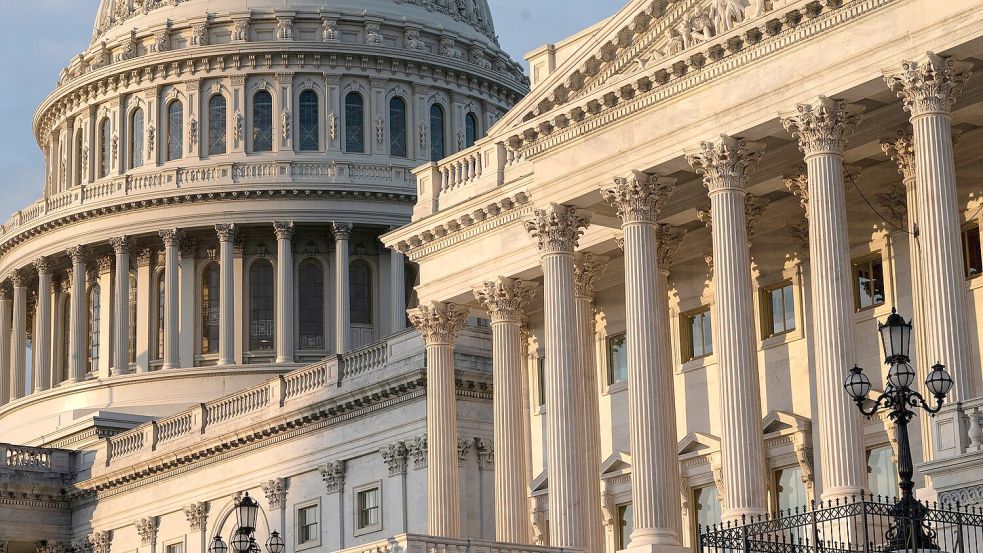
{"x":43,"y":35}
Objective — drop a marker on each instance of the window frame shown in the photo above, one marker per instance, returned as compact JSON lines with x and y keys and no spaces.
{"x":369,"y":288}
{"x":893,"y":474}
{"x":316,"y":541}
{"x":687,"y":349}
{"x":316,"y":121}
{"x":609,"y":353}
{"x":443,"y":132}
{"x":202,"y":307}
{"x":404,"y":131}
{"x":541,"y":382}
{"x":357,"y":494}
{"x":695,"y":511}
{"x":363,"y":143}
{"x":254,"y":125}
{"x":168,"y":157}
{"x":869,"y":261}
{"x":767,"y":309}
{"x":159,"y":296}
{"x":94,"y":319}
{"x":619,"y":533}
{"x":167,"y":545}
{"x":472,"y":125}
{"x":137,"y":138}
{"x":252,"y":309}
{"x":774,"y":475}
{"x":105,"y":136}
{"x":300,"y":299}
{"x":213,"y":126}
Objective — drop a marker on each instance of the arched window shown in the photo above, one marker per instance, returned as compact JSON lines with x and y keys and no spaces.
{"x":217,"y":126}
{"x":78,"y":157}
{"x":94,"y":314}
{"x":310,"y":296}
{"x":360,"y":292}
{"x":309,"y":129}
{"x":437,"y":151}
{"x":66,"y":333}
{"x":261,"y":306}
{"x":105,"y":147}
{"x":132,"y":320}
{"x":136,"y":139}
{"x":175,"y":130}
{"x":470,"y":130}
{"x":263,"y":122}
{"x":397,"y":127}
{"x":209,"y":308}
{"x":161,"y":299}
{"x":354,"y":123}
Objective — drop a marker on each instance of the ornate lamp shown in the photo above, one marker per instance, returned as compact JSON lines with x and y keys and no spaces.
{"x":939,"y":382}
{"x":218,"y":546}
{"x":275,"y":544}
{"x":240,"y":542}
{"x":857,"y":385}
{"x":896,"y":338}
{"x":247,"y":511}
{"x":901,"y":375}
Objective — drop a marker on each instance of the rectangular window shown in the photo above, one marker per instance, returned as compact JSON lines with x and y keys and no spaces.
{"x":541,"y":380}
{"x":617,"y":359}
{"x":625,"y":526}
{"x":368,"y":509}
{"x":706,"y":503}
{"x":174,"y":548}
{"x":697,"y":334}
{"x":972,"y":252}
{"x":790,"y":492}
{"x":307,"y":522}
{"x":881,"y":476}
{"x":868,"y":282}
{"x":778,"y":309}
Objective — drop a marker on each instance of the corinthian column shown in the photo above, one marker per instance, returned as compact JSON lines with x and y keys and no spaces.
{"x":226,"y":337}
{"x":506,"y":299}
{"x":557,"y":228}
{"x":821,"y":128}
{"x":284,"y":291}
{"x":439,"y":323}
{"x":172,"y":242}
{"x":342,"y":232}
{"x":6,"y":305}
{"x":18,"y":335}
{"x":655,"y":489}
{"x":121,"y":305}
{"x":41,"y":351}
{"x":725,"y":164}
{"x":77,"y":355}
{"x":928,"y":88}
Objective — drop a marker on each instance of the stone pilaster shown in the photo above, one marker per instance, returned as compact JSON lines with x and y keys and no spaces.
{"x":639,"y":198}
{"x":226,"y":337}
{"x":121,"y":306}
{"x":556,"y":229}
{"x":18,"y":335}
{"x":342,"y":233}
{"x":41,"y":348}
{"x":6,"y":313}
{"x":77,"y":358}
{"x":506,"y":301}
{"x":284,"y":291}
{"x":172,"y":295}
{"x":439,"y":324}
{"x":397,"y":289}
{"x":725,"y":164}
{"x":821,"y":128}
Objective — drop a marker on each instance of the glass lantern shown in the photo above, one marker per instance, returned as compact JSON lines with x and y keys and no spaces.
{"x":939,"y":382}
{"x":247,"y":511}
{"x":896,"y":338}
{"x":275,"y":544}
{"x":857,"y":385}
{"x":901,"y":375}
{"x":218,"y":546}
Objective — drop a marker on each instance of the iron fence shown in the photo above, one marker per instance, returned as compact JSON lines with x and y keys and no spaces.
{"x":860,"y":524}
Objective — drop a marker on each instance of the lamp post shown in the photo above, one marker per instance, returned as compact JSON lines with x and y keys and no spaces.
{"x":243,"y":538}
{"x":909,"y":530}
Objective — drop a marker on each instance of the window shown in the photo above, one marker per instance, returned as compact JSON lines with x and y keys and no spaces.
{"x":541,"y":380}
{"x":778,"y":309}
{"x":261,"y":306}
{"x":617,"y":359}
{"x":307,"y":522}
{"x":175,"y":131}
{"x":78,"y":157}
{"x":470,"y":130}
{"x":217,"y":125}
{"x":790,"y":492}
{"x":437,"y":151}
{"x":131,"y":308}
{"x":263,"y":122}
{"x":972,"y":254}
{"x":625,"y":526}
{"x":868,"y":278}
{"x":309,"y":129}
{"x":360,"y":292}
{"x":881,"y":478}
{"x":368,"y":513}
{"x":174,"y":548}
{"x":354,"y":123}
{"x":136,"y":139}
{"x":397,"y":128}
{"x":105,"y":147}
{"x":209,"y":308}
{"x":94,"y":314}
{"x":697,"y":334}
{"x":161,"y":303}
{"x":66,"y":333}
{"x":706,"y":502}
{"x":310,"y":281}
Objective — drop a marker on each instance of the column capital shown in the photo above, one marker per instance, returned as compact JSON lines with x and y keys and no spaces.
{"x":227,"y":232}
{"x":670,"y":238}
{"x":439,"y":322}
{"x":18,"y":278}
{"x":43,"y":266}
{"x":587,"y":270}
{"x":639,"y":197}
{"x":901,"y":150}
{"x":284,"y":230}
{"x":557,"y":228}
{"x":78,"y":254}
{"x":144,"y":257}
{"x":197,"y":515}
{"x":822,"y":125}
{"x":172,"y":237}
{"x":799,"y":186}
{"x":120,"y":244}
{"x":6,"y":290}
{"x":505,"y":299}
{"x":929,"y":84}
{"x":725,"y":162}
{"x":342,"y":231}
{"x":105,"y":264}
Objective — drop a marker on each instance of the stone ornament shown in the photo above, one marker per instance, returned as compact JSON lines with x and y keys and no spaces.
{"x":418,"y":451}
{"x":485,"y":451}
{"x":102,"y":541}
{"x":284,"y":28}
{"x":240,"y":31}
{"x":284,"y":230}
{"x":147,"y":530}
{"x":197,"y":515}
{"x":342,"y":231}
{"x":43,"y":266}
{"x":45,"y":546}
{"x":505,"y":299}
{"x":395,"y":457}
{"x":557,"y":228}
{"x":929,"y":84}
{"x":799,"y":186}
{"x":821,"y":126}
{"x":438,"y":322}
{"x":333,"y":475}
{"x":373,"y":34}
{"x":120,"y":245}
{"x":463,"y":447}
{"x":199,"y":34}
{"x":171,"y":237}
{"x":227,"y":232}
{"x":640,"y":197}
{"x":901,"y":150}
{"x":587,"y":270}
{"x":725,"y":163}
{"x":276,"y":493}
{"x":329,"y":31}
{"x":670,"y":238}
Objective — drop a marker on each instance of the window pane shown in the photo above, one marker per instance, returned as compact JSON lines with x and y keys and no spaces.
{"x":175,"y":131}
{"x":360,"y":292}
{"x":397,"y":127}
{"x":696,"y":336}
{"x":309,"y":129}
{"x":311,"y":295}
{"x":972,"y":255}
{"x":617,"y":359}
{"x":78,"y":157}
{"x":707,"y":334}
{"x":790,"y":491}
{"x":307,"y":524}
{"x":262,"y":122}
{"x":261,"y":306}
{"x":437,"y":151}
{"x":708,"y":511}
{"x":881,"y":475}
{"x":94,"y":315}
{"x":789,"y":301}
{"x":541,"y":376}
{"x":354,"y":123}
{"x":877,"y":270}
{"x":625,"y":526}
{"x":105,"y":145}
{"x":217,"y":125}
{"x":209,"y":309}
{"x":368,"y":508}
{"x":136,"y":140}
{"x":777,"y":311}
{"x":863,"y":278}
{"x":470,"y":130}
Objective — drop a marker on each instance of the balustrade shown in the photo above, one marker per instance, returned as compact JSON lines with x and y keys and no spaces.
{"x":365,"y":360}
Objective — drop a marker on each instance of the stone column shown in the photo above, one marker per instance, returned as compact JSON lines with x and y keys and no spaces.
{"x":6,"y":307}
{"x":639,"y":199}
{"x":821,"y":128}
{"x":397,"y":287}
{"x":18,"y":335}
{"x":284,"y":327}
{"x":586,"y":270}
{"x":342,"y":232}
{"x":440,"y":323}
{"x":928,"y":88}
{"x":506,"y":301}
{"x":172,"y":295}
{"x":557,"y":229}
{"x":226,"y":337}
{"x":121,"y":306}
{"x":77,"y":358}
{"x":41,"y":351}
{"x":725,"y":164}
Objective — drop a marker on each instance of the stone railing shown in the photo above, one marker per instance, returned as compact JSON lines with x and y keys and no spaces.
{"x":463,"y":176}
{"x":416,"y":543}
{"x":364,"y":360}
{"x":25,"y":457}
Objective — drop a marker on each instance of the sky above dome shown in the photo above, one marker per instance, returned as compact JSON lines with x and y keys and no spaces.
{"x":41,"y":36}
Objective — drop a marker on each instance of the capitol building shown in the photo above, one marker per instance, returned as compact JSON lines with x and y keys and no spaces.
{"x":345,"y":257}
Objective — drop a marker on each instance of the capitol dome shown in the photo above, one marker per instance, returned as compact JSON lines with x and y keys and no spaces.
{"x":218,"y":175}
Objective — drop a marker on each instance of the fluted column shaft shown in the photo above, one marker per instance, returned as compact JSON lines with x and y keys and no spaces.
{"x":172,"y":296}
{"x":41,"y":350}
{"x":439,"y":323}
{"x":226,"y":338}
{"x":18,"y":337}
{"x":557,"y":228}
{"x":6,"y":307}
{"x":77,"y":357}
{"x":284,"y":292}
{"x":725,"y":165}
{"x":342,"y":232}
{"x":121,"y":307}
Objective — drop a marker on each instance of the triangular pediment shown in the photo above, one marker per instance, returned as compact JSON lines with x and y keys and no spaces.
{"x":617,"y":463}
{"x":540,"y":483}
{"x":698,"y":443}
{"x":781,"y":422}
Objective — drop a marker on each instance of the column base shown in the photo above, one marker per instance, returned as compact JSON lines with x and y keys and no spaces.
{"x":654,"y":548}
{"x":833,"y":494}
{"x":283,"y":360}
{"x":168,"y":367}
{"x":740,"y":516}
{"x":225,"y":362}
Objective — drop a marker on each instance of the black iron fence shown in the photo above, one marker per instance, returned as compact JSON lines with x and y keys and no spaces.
{"x":862,"y":524}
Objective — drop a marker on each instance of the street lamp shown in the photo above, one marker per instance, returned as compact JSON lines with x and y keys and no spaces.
{"x":909,"y":531}
{"x":243,"y":539}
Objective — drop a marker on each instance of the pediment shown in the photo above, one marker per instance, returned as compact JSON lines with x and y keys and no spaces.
{"x":698,"y":443}
{"x":540,"y":483}
{"x":617,"y":463}
{"x":781,"y":422}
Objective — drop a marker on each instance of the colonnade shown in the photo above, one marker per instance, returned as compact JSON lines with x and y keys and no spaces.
{"x":726,"y":164}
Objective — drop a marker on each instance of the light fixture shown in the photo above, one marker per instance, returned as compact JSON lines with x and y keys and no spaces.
{"x":896,"y":338}
{"x":857,"y":385}
{"x":247,"y":510}
{"x":939,"y":382}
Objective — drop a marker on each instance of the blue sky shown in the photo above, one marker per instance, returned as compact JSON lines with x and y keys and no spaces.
{"x":44,"y":34}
